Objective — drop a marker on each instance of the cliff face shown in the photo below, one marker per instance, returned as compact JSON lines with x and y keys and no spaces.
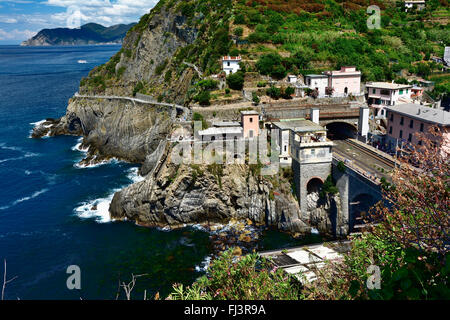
{"x":112,"y":128}
{"x":185,"y":194}
{"x":157,"y":52}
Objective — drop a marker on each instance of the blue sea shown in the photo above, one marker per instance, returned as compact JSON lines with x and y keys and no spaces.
{"x":47,"y":221}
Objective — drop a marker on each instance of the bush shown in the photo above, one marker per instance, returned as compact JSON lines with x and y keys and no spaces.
{"x":408,"y":238}
{"x":247,"y":278}
{"x":274,"y":93}
{"x":329,"y":187}
{"x":288,"y":92}
{"x":261,"y":84}
{"x":208,"y":84}
{"x":203,"y":98}
{"x":236,"y":81}
{"x":255,"y":98}
{"x":267,"y":62}
{"x":238,"y":32}
{"x":138,"y":88}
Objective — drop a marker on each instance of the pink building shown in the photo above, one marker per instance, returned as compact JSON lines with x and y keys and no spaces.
{"x":345,"y":81}
{"x":407,"y":119}
{"x":250,"y":123}
{"x":416,"y":92}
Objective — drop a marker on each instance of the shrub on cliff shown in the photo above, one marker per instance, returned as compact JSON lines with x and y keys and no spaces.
{"x":203,"y":98}
{"x":236,"y":81}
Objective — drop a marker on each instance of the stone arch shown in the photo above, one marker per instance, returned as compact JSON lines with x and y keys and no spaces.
{"x":359,"y":208}
{"x":314,"y":185}
{"x":340,"y":130}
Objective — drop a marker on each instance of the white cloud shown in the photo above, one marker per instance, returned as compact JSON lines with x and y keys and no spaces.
{"x":7,"y":20}
{"x":16,"y":34}
{"x":101,"y":11}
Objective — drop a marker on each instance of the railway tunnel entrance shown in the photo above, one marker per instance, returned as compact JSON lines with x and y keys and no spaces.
{"x":341,"y":131}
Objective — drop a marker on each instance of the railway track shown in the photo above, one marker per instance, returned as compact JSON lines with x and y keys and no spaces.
{"x":371,"y":153}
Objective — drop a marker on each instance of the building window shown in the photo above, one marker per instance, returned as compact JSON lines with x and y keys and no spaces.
{"x":421,"y":127}
{"x":251,"y":120}
{"x":285,"y":148}
{"x":392,"y":117}
{"x":420,"y":143}
{"x":401,"y":134}
{"x":411,"y":124}
{"x":401,"y":91}
{"x":410,"y":137}
{"x":228,"y":64}
{"x":313,"y":152}
{"x":402,"y":121}
{"x":374,"y":91}
{"x":390,"y":130}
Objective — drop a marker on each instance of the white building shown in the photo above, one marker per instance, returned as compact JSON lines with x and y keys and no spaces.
{"x":285,"y":128}
{"x":382,"y":94}
{"x":231,"y":64}
{"x":447,"y":56}
{"x":292,"y":79}
{"x":409,"y":4}
{"x":317,"y":82}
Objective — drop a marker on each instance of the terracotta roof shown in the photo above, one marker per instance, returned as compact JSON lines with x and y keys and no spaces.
{"x":229,"y":58}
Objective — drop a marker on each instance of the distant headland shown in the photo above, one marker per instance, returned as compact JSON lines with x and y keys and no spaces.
{"x":88,"y":34}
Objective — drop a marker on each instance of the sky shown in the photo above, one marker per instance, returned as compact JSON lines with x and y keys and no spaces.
{"x":22,"y":19}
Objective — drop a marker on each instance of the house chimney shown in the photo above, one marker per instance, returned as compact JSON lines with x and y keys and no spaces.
{"x":315,"y":115}
{"x":363,"y":124}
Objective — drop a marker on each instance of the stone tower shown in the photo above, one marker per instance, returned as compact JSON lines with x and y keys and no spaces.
{"x":312,"y":158}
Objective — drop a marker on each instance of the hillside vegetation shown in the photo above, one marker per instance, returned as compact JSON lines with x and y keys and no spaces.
{"x":299,"y":36}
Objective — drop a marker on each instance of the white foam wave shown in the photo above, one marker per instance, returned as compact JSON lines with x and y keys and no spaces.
{"x":38,"y":123}
{"x":34,"y":195}
{"x":99,"y":208}
{"x":94,"y":164}
{"x":96,"y":209}
{"x":133,"y":175}
{"x":78,"y":147}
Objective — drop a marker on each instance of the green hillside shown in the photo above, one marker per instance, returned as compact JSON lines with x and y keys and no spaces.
{"x":298,"y":36}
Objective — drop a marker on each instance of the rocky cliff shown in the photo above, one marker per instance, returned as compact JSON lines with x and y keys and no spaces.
{"x":190,"y":194}
{"x":112,"y":128}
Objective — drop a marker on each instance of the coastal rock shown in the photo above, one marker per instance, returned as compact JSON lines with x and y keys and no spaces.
{"x":183,"y":195}
{"x":112,"y":128}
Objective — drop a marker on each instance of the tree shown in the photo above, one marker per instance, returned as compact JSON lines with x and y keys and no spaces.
{"x":407,"y":238}
{"x":267,"y":62}
{"x":417,"y":213}
{"x":236,"y":81}
{"x":203,"y":98}
{"x":238,"y":31}
{"x":274,"y":92}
